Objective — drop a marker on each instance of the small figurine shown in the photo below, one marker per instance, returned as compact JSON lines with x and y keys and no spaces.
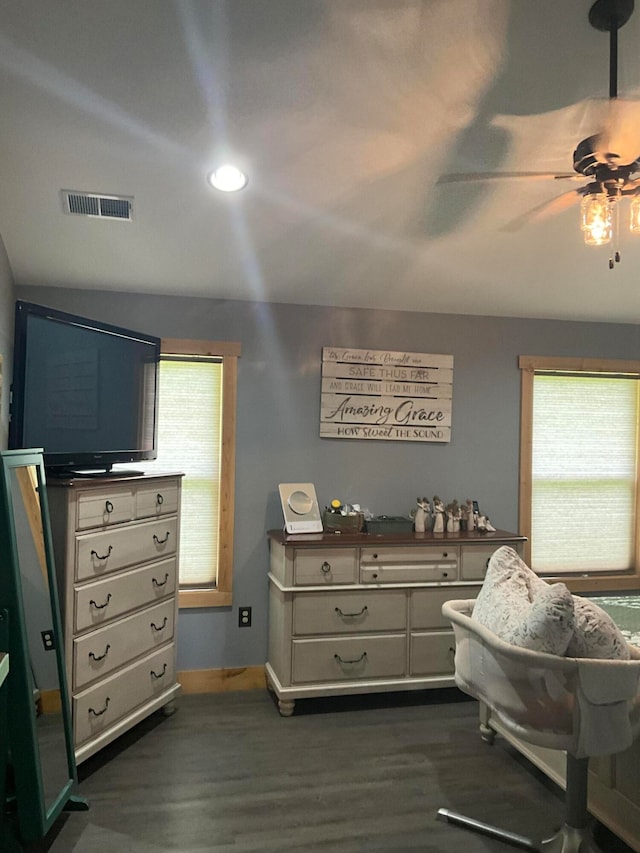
{"x":450,"y":510}
{"x":421,"y":517}
{"x":484,"y":525}
{"x":457,"y":517}
{"x":467,"y":515}
{"x":438,"y":515}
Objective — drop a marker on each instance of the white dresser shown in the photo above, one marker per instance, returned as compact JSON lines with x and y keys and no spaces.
{"x":361,"y":613}
{"x":115,"y":544}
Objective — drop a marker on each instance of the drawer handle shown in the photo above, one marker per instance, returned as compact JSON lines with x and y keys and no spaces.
{"x":356,"y":660}
{"x":100,"y":657}
{"x":101,"y":606}
{"x":161,"y":541}
{"x":102,"y":556}
{"x":156,"y":675}
{"x":325,"y":567}
{"x":155,"y":627}
{"x":159,"y":499}
{"x":351,"y":615}
{"x":100,"y":713}
{"x":108,"y":506}
{"x":161,"y":583}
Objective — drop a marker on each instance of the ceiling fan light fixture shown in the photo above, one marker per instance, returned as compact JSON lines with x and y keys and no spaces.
{"x":596,"y":220}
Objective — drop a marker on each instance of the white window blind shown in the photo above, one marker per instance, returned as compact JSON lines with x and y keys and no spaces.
{"x":189,"y":440}
{"x":584,"y":468}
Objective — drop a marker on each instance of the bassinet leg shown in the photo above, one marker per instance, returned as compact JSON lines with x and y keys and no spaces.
{"x":520,"y":841}
{"x":573,"y":837}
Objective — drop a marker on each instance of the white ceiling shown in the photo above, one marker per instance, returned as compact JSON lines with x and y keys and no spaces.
{"x":344,"y":113}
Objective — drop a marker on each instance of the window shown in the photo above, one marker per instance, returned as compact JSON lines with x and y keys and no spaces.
{"x":196,"y":435}
{"x":579,"y":469}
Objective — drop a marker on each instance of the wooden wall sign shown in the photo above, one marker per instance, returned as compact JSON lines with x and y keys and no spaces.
{"x":395,"y":396}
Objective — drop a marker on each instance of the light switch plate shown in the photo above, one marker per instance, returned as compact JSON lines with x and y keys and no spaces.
{"x":300,"y":508}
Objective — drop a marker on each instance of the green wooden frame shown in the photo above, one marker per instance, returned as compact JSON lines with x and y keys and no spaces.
{"x":34,"y":817}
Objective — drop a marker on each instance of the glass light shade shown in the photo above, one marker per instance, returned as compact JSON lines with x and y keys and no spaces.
{"x":595,"y":219}
{"x":634,"y":215}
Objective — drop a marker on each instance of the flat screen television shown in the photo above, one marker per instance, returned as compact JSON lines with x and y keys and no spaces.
{"x":84,"y":391}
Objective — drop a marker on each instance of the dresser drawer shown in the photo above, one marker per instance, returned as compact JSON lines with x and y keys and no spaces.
{"x":101,"y":706}
{"x":475,"y":560}
{"x":99,"y":653}
{"x":426,"y":604}
{"x":156,"y":500}
{"x":432,"y":654}
{"x":349,"y":612}
{"x":104,"y":600}
{"x":348,"y":658}
{"x":104,"y":508}
{"x":100,"y":553}
{"x":325,"y":566}
{"x":408,"y":564}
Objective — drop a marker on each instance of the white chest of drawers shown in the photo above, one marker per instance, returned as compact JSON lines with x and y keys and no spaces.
{"x":358,"y":613}
{"x":116,"y":554}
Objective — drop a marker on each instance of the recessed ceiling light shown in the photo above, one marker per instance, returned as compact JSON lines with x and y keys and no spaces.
{"x":228,"y":179}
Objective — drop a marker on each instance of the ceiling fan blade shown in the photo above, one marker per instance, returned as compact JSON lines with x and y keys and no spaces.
{"x":496,"y":176}
{"x":619,"y":140}
{"x":546,"y":209}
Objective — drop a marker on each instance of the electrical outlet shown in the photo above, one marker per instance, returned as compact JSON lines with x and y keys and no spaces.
{"x":47,"y":640}
{"x":244,"y":617}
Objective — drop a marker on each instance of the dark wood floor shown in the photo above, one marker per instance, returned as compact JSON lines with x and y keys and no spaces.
{"x":226,"y":773}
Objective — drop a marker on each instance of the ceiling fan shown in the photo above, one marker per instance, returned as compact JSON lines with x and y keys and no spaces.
{"x":609,"y":159}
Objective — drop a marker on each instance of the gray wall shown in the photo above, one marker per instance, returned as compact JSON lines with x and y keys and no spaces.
{"x":278,"y":421}
{"x":6,"y":340}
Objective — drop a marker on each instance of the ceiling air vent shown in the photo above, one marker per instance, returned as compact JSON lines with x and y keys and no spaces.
{"x":97,"y":205}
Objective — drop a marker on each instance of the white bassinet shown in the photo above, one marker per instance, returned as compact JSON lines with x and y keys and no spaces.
{"x":584,"y":706}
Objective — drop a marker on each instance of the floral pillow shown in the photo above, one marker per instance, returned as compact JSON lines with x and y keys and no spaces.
{"x":522,"y":609}
{"x":596,"y":634}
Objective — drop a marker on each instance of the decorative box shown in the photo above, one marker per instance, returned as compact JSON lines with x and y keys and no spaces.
{"x":390,"y":524}
{"x":332,"y":521}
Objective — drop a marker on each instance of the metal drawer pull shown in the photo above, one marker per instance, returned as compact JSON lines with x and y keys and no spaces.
{"x":100,"y":713}
{"x":155,"y":674}
{"x":155,"y":627}
{"x":100,"y":657}
{"x":325,"y":567}
{"x":357,"y":660}
{"x":102,"y":556}
{"x":108,"y":507}
{"x":161,"y":583}
{"x":351,"y":615}
{"x":161,"y":541}
{"x":159,"y":499}
{"x":101,"y":606}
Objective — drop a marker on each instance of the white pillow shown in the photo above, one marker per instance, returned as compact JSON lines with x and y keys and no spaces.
{"x":596,"y":634}
{"x":522,"y":609}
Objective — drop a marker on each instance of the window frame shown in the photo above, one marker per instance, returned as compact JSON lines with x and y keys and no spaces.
{"x":529,"y":365}
{"x":229,"y":352}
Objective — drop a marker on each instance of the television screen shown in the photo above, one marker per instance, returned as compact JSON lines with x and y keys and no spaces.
{"x":84,"y":391}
